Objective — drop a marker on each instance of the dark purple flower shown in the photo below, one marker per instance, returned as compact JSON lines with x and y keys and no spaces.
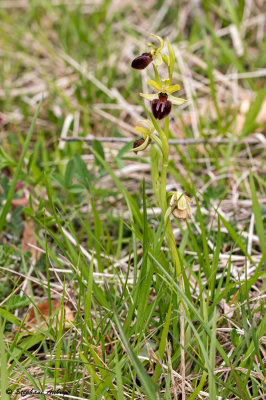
{"x":138,"y":143}
{"x":161,"y":107}
{"x":141,"y":62}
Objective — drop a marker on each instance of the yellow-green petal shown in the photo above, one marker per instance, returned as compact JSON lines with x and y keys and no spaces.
{"x":166,"y":82}
{"x":143,"y":131}
{"x":173,"y":88}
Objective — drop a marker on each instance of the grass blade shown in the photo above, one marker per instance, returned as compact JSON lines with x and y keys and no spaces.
{"x":148,"y":385}
{"x":18,"y":170}
{"x":258,"y":217}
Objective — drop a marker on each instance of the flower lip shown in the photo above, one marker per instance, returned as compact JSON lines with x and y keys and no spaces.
{"x":146,"y":54}
{"x":141,"y":144}
{"x":142,"y":61}
{"x":137,"y":143}
{"x":161,"y":109}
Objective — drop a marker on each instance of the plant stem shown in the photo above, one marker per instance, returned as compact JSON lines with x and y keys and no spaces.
{"x":163,"y":185}
{"x":163,"y":199}
{"x":173,"y":249}
{"x":174,"y":252}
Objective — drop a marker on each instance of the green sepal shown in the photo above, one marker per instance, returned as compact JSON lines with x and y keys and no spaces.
{"x":148,"y":96}
{"x":176,"y":100}
{"x":158,"y":59}
{"x":155,"y":85}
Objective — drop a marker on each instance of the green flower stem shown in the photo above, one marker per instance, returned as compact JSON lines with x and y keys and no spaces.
{"x":161,"y":194}
{"x":173,"y":249}
{"x":166,"y":127}
{"x":160,"y":157}
{"x":160,"y":190}
{"x":163,"y":202}
{"x":156,"y":156}
{"x":163,"y":185}
{"x":165,"y":164}
{"x":164,"y":140}
{"x":172,"y":244}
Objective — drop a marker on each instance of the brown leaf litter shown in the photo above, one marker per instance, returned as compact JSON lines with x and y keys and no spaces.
{"x":41,"y":312}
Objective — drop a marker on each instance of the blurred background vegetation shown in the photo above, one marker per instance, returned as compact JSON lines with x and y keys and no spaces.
{"x":76,"y":56}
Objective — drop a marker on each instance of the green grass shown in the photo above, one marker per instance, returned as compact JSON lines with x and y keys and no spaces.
{"x":104,"y":252}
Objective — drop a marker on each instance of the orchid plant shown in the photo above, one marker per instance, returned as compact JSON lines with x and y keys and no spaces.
{"x":152,"y":132}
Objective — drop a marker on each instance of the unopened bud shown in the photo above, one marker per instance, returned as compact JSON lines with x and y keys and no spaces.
{"x":180,"y":206}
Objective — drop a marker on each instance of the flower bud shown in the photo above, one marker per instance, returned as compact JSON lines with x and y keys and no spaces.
{"x":141,"y":62}
{"x":138,"y":143}
{"x":180,"y":206}
{"x":141,"y":144}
